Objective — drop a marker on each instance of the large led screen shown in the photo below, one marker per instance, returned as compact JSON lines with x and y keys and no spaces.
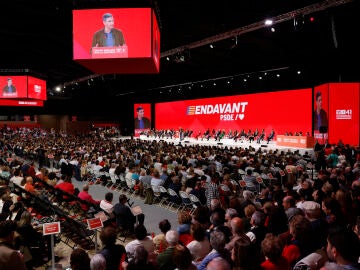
{"x":36,"y":88}
{"x":142,"y":118}
{"x":112,"y":33}
{"x":344,"y":112}
{"x":283,"y":111}
{"x":13,"y":86}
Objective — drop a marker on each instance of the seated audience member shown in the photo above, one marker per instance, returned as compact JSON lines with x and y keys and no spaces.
{"x":16,"y":211}
{"x":244,"y":255}
{"x":217,"y":242}
{"x":237,"y":230}
{"x":17,"y":178}
{"x":29,"y":186}
{"x":165,"y":260}
{"x":66,"y":186}
{"x":139,"y":261}
{"x":319,"y":226}
{"x":200,"y":246}
{"x":125,"y":219}
{"x":290,"y":208}
{"x":298,"y":246}
{"x":10,"y":259}
{"x":52,"y":179}
{"x":183,"y":258}
{"x":218,"y":263}
{"x":85,"y":196}
{"x":79,"y":259}
{"x":343,"y":250}
{"x":5,"y":203}
{"x":31,"y":239}
{"x":272,"y":248}
{"x":184,"y":220}
{"x":107,"y":204}
{"x":112,"y":252}
{"x":142,"y":239}
{"x":159,"y":240}
{"x":98,"y":262}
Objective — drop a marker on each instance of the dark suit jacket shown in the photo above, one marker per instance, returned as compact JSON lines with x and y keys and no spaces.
{"x":323,"y":119}
{"x":165,"y":259}
{"x":100,"y":37}
{"x":10,"y":258}
{"x":7,"y":91}
{"x":145,"y":120}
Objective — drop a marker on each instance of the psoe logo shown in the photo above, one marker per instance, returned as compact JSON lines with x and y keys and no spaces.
{"x":344,"y":114}
{"x":37,"y":88}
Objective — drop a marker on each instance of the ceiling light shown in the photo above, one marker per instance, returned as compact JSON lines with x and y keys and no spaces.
{"x":211,"y":46}
{"x":268,"y":22}
{"x":58,"y":89}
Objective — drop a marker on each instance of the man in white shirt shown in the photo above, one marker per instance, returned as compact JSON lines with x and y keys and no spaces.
{"x":106,"y":204}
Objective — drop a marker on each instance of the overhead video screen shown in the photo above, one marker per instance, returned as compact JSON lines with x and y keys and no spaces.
{"x":112,"y":33}
{"x":13,"y":87}
{"x":36,"y":88}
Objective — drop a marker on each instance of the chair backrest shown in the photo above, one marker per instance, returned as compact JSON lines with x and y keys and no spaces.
{"x":183,"y":194}
{"x":172,"y":192}
{"x":224,"y":188}
{"x":162,"y":189}
{"x":194,"y":198}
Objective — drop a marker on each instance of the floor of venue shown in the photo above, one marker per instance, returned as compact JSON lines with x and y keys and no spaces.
{"x":154,"y":213}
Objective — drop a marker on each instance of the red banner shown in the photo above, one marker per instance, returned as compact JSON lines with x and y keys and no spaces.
{"x":282,"y":111}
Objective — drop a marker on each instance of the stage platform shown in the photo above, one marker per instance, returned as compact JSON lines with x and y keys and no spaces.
{"x":229,"y":143}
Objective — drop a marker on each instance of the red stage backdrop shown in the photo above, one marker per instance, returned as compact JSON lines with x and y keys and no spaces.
{"x":283,"y":111}
{"x":20,"y":84}
{"x":144,"y":110}
{"x":344,"y":112}
{"x":141,"y":51}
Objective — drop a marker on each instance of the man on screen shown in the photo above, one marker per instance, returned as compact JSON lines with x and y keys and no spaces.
{"x":141,"y":121}
{"x":320,"y":115}
{"x":108,"y":36}
{"x":9,"y":90}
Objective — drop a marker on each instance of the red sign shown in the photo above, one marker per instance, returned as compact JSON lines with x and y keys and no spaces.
{"x":109,"y":52}
{"x":270,"y":176}
{"x":242,"y":183}
{"x":259,"y":180}
{"x":95,"y":223}
{"x":51,"y":228}
{"x":268,"y":110}
{"x":21,"y":102}
{"x":282,"y":173}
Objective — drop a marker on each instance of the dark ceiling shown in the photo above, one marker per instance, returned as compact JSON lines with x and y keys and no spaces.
{"x":36,"y":37}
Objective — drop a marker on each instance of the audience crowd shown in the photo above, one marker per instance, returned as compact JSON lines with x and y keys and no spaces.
{"x":257,"y":209}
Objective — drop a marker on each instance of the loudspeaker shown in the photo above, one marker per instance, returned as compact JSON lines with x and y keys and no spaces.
{"x":323,"y":129}
{"x":220,"y":143}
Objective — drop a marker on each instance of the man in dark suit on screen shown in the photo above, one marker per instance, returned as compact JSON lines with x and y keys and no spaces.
{"x":141,"y":122}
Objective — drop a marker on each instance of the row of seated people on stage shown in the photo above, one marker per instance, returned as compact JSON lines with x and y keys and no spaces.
{"x":216,"y":135}
{"x":326,"y":194}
